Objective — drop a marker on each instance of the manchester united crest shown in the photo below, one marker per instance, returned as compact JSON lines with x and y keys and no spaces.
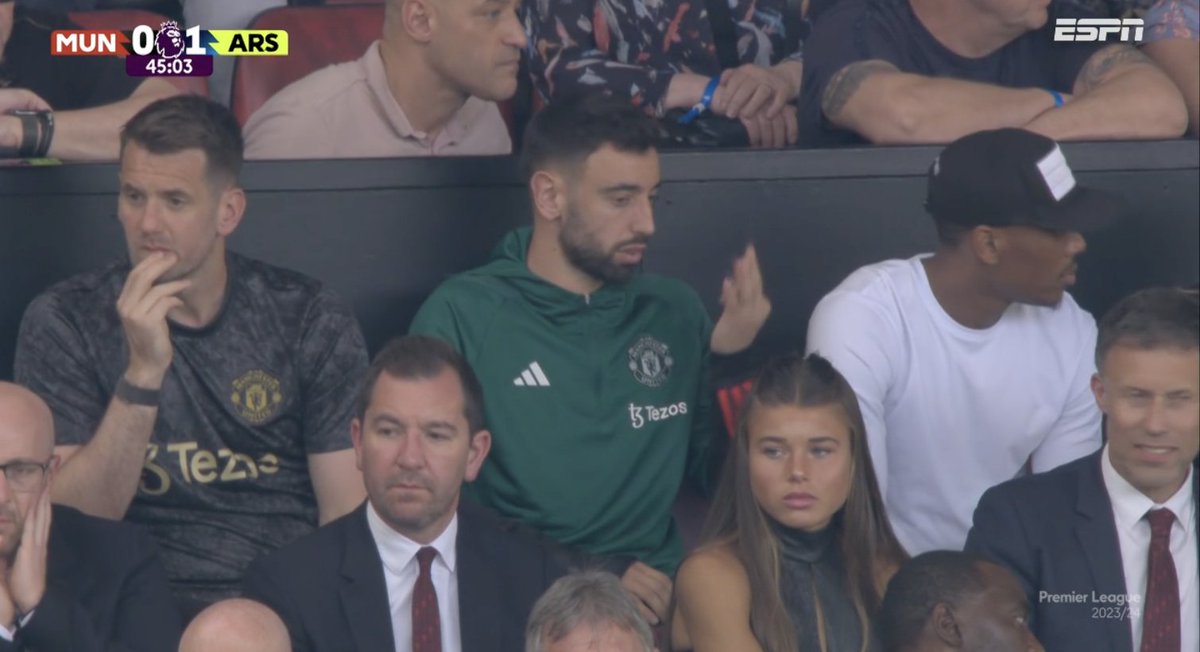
{"x":650,"y":361}
{"x":257,"y":396}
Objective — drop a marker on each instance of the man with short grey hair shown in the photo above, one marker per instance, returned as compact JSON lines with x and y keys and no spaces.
{"x":415,"y":92}
{"x":587,"y":611}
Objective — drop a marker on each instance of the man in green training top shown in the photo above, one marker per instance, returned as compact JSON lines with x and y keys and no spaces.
{"x":594,"y":374}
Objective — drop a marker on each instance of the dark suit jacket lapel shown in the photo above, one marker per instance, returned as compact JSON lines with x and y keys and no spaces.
{"x":1096,"y":532}
{"x":363,"y":589}
{"x":480,"y":594}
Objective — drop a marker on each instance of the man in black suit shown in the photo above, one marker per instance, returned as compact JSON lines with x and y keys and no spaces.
{"x":1105,"y":546}
{"x":413,"y":568}
{"x":69,"y":582}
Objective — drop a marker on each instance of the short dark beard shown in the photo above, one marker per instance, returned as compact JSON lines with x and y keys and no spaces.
{"x":584,"y":255}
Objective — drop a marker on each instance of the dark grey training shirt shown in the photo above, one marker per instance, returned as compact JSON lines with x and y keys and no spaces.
{"x":247,"y":398}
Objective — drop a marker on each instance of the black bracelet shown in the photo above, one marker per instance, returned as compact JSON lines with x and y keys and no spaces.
{"x":134,"y":395}
{"x":29,"y":133}
{"x":46,"y":118}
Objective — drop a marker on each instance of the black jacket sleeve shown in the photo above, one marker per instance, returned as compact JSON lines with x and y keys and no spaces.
{"x":144,"y":616}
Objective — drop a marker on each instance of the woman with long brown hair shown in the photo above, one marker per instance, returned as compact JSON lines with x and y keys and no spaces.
{"x":798,"y":547}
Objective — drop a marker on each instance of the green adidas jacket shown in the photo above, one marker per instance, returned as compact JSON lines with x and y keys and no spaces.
{"x":598,"y":405}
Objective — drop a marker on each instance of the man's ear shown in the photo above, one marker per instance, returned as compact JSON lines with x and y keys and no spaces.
{"x":548,"y":190}
{"x":945,"y":626}
{"x":987,"y":243}
{"x":231,"y":210}
{"x":356,"y":435}
{"x":1098,"y":392}
{"x":419,"y":19}
{"x":481,"y":443}
{"x":52,"y":470}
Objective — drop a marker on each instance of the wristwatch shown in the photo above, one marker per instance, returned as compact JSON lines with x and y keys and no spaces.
{"x":134,"y":395}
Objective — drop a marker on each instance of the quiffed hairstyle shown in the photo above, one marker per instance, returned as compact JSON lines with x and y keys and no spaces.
{"x":419,"y":357}
{"x":573,"y":127}
{"x":592,"y":599}
{"x":1153,"y":318}
{"x":927,"y":580}
{"x":182,"y":122}
{"x":864,"y":536}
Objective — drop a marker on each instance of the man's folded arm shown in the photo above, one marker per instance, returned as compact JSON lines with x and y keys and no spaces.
{"x":1119,"y":94}
{"x":94,"y":134}
{"x":890,"y":107}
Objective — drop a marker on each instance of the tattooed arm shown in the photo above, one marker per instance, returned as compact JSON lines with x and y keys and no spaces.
{"x":1180,"y":59}
{"x":889,"y":107}
{"x":1119,"y":93}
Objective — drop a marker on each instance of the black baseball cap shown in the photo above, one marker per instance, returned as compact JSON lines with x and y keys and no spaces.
{"x":1010,"y":177}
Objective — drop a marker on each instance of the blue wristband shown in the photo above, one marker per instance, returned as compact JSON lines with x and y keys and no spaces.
{"x":705,"y":101}
{"x":1058,"y":98}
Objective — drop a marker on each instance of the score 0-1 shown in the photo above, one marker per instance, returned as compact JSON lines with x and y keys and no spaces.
{"x":169,"y":50}
{"x":163,"y":53}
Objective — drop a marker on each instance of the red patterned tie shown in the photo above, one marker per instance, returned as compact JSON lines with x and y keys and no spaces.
{"x":426,"y":623}
{"x":1160,"y":628}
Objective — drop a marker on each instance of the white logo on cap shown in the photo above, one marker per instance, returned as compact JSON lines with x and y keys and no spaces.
{"x":1056,"y":173}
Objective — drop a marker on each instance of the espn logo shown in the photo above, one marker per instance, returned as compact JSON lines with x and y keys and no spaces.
{"x":1090,"y":30}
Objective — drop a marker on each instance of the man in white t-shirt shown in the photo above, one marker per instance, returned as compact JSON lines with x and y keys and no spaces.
{"x":973,"y":364}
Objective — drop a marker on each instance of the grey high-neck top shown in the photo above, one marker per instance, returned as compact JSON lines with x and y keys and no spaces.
{"x":812,"y":572}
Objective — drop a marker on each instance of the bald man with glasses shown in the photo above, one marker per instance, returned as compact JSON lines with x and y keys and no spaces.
{"x":69,"y":582}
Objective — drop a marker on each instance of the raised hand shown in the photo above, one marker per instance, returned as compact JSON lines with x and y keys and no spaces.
{"x":143,"y":307}
{"x":746,"y":307}
{"x":27,"y":575}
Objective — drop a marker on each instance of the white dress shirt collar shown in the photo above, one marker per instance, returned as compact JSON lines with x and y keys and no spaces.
{"x":1130,"y":505}
{"x":398,"y":551}
{"x":1129,"y":508}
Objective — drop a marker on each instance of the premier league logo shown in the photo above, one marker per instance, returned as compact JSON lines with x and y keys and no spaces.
{"x":650,"y":361}
{"x":169,"y":42}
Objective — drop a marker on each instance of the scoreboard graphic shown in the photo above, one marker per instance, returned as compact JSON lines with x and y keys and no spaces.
{"x":169,"y":50}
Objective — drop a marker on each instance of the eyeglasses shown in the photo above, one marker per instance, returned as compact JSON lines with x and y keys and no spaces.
{"x":24,"y":476}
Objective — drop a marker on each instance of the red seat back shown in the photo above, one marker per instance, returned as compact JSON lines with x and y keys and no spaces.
{"x":126,"y":20}
{"x":731,"y":399}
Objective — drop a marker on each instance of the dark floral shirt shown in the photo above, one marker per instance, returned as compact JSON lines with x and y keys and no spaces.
{"x":1165,"y":19}
{"x":634,"y":47}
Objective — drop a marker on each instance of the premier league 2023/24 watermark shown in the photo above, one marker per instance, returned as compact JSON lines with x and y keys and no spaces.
{"x":1104,"y":606}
